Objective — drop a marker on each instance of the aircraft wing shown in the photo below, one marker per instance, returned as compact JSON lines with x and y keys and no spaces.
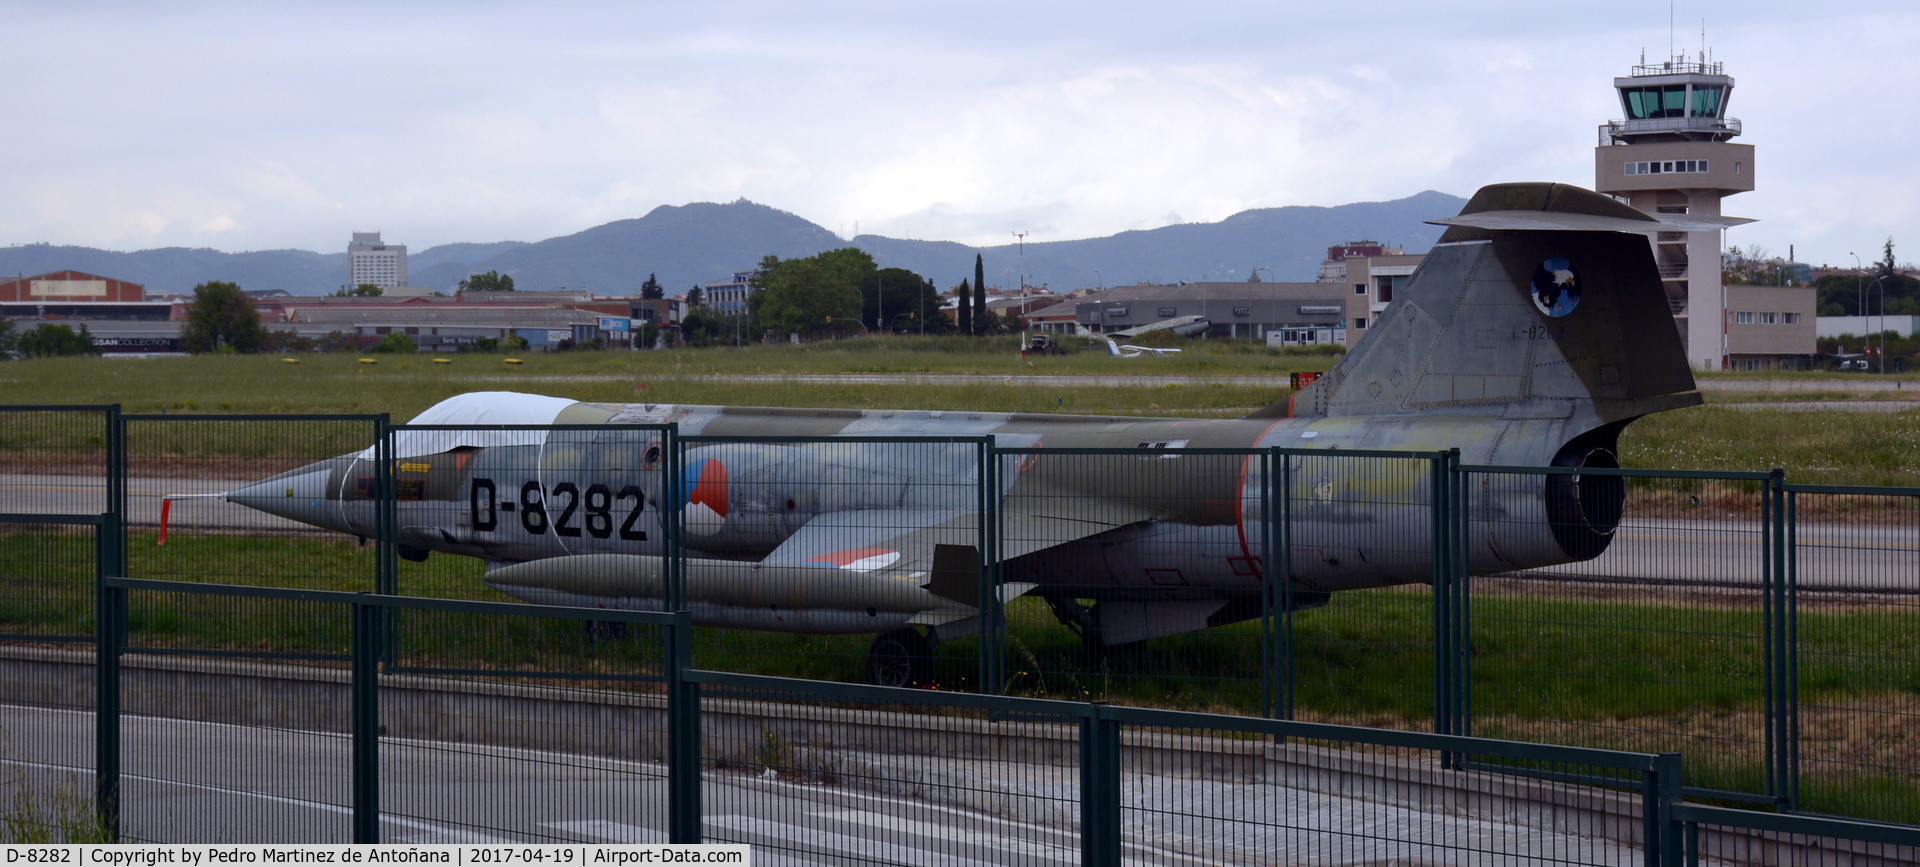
{"x":939,"y":546}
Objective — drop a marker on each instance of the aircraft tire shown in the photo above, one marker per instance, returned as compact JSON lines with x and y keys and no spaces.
{"x":606,"y":630}
{"x":900,"y":657}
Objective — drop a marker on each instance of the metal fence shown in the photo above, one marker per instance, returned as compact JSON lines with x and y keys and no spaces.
{"x":1663,"y":639}
{"x":1718,"y":835}
{"x":1852,"y":646}
{"x":484,"y":740}
{"x":1765,"y":630}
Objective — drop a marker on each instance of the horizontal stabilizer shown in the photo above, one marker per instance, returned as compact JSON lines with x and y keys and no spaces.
{"x":1551,"y":221}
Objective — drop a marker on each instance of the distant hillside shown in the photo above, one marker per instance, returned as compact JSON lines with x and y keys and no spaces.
{"x":1291,"y":241}
{"x":705,"y":242}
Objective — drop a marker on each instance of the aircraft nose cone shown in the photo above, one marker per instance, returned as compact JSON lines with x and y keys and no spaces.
{"x":299,"y":495}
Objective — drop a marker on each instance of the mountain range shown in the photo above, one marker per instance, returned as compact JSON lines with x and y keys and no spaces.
{"x":705,"y":242}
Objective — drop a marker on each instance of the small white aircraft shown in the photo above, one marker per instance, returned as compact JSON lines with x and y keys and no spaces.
{"x":1185,"y":326}
{"x":1129,"y":350}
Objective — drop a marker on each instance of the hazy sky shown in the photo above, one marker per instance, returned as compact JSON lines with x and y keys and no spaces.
{"x":257,"y":126}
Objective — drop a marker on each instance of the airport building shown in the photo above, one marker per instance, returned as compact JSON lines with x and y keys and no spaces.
{"x":1672,"y":153}
{"x":1280,"y":314}
{"x":370,"y":262}
{"x":730,"y":297}
{"x":70,"y":287}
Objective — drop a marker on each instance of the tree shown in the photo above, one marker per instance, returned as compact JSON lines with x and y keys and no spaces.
{"x":703,"y":327}
{"x":286,"y":341}
{"x":492,"y":281}
{"x":808,"y":294}
{"x":651,"y":290}
{"x":6,"y":338}
{"x":932,"y":318}
{"x":895,"y":293}
{"x":696,"y":297}
{"x":963,"y":294}
{"x":395,"y":341}
{"x":1886,"y":267}
{"x":48,"y":340}
{"x":979,"y":295}
{"x":364,"y":290}
{"x":221,"y":318}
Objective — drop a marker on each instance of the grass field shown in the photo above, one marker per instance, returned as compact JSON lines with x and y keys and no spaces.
{"x":1816,"y":447}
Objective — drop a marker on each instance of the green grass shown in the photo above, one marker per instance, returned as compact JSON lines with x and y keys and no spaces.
{"x":1816,"y":447}
{"x":405,"y":385}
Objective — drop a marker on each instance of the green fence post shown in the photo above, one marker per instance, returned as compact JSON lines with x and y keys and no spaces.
{"x":1661,"y":832}
{"x":109,"y":624}
{"x":1099,"y":787}
{"x":673,"y":567}
{"x":366,"y":721}
{"x":385,"y":521}
{"x":110,"y":627}
{"x":1285,"y":553}
{"x":1442,"y":615}
{"x":113,"y":524}
{"x":1793,"y":654}
{"x":1780,"y":641}
{"x":1270,"y":601}
{"x":992,"y":670}
{"x":1460,"y":576}
{"x":683,"y":735}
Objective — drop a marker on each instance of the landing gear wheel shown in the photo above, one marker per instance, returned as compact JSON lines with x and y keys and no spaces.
{"x":899,"y":658}
{"x":606,"y":630}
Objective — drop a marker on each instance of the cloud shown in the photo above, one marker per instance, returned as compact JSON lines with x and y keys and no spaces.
{"x":290,"y":124}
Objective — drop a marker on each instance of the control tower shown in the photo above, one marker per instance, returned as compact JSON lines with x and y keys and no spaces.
{"x":1672,"y":154}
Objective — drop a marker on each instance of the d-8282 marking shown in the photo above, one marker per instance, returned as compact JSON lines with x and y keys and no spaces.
{"x":483,"y":509}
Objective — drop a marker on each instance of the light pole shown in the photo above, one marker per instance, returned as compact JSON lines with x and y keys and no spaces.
{"x":1256,"y":273}
{"x":1859,"y":286}
{"x":1097,"y":279}
{"x":1023,"y":289}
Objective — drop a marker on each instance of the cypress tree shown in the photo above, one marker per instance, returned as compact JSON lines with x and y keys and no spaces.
{"x":965,"y":304}
{"x":979,"y":295}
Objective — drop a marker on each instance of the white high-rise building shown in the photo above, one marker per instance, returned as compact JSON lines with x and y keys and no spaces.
{"x":370,"y":261}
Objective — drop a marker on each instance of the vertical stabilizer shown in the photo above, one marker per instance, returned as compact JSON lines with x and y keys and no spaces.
{"x":1558,"y":313}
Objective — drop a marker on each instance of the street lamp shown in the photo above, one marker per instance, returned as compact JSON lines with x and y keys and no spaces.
{"x":1860,"y":293}
{"x":1257,"y":269}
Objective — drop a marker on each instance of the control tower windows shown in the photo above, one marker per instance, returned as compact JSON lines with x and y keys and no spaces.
{"x":1706,"y":100}
{"x":1645,"y":103}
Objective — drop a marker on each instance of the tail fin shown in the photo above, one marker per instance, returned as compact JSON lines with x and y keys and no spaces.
{"x":1535,"y":303}
{"x":1113,"y":348}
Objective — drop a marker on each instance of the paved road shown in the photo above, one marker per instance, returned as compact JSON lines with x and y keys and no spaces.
{"x":205,"y":782}
{"x":1823,"y":406}
{"x":1848,"y":557}
{"x":39,"y":494}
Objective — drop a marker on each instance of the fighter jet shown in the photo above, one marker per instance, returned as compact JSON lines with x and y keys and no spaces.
{"x":1534,"y":331}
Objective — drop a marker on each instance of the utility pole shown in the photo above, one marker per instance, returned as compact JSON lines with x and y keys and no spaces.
{"x":1023,"y":290}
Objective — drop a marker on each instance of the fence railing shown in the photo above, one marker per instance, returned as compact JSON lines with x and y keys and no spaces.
{"x":375,"y":751}
{"x":1766,"y":630}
